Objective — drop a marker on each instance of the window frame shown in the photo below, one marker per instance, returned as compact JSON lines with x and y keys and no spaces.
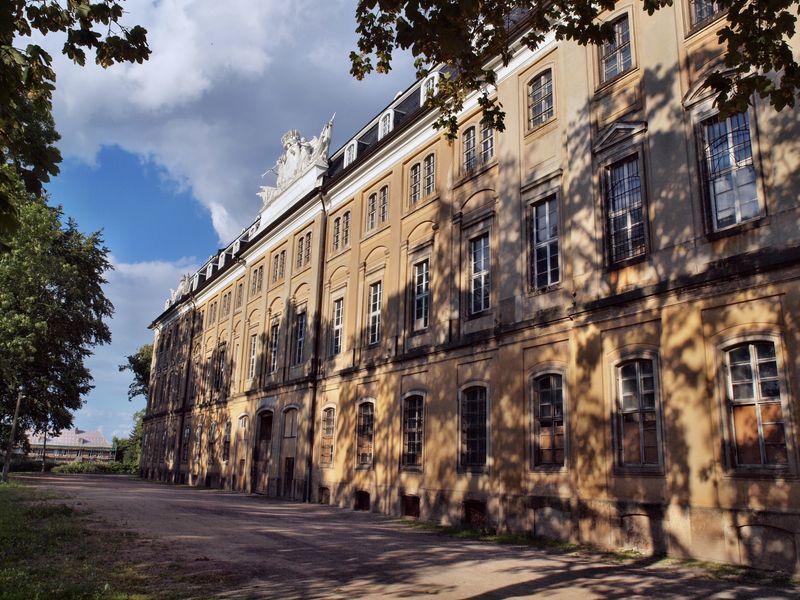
{"x":327,"y":438}
{"x":545,"y":370}
{"x":533,"y":244}
{"x":622,"y":359}
{"x":424,"y":296}
{"x":350,"y":154}
{"x":365,"y":465}
{"x":709,"y":202}
{"x":415,"y":183}
{"x":462,"y":442}
{"x":420,"y":430}
{"x":694,"y":25}
{"x":337,"y":326}
{"x":372,"y":211}
{"x":274,"y":344}
{"x":429,"y":175}
{"x":485,"y":275}
{"x":386,"y":124}
{"x":630,"y":154}
{"x":603,"y":49}
{"x":532,"y":123}
{"x":374,"y":317}
{"x":252,"y":357}
{"x":723,"y":347}
{"x":299,"y":337}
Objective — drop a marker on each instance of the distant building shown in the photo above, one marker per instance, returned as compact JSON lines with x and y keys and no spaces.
{"x":76,"y":445}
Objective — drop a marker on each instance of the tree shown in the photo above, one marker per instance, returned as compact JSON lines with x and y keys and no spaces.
{"x":139,"y":364}
{"x":129,"y":449}
{"x":52,"y":312}
{"x":27,"y":80}
{"x":462,"y":35}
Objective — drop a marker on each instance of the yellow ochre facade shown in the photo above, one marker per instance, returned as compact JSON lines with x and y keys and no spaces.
{"x":584,"y":326}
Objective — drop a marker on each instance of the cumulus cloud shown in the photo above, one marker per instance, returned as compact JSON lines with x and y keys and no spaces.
{"x":225,"y":81}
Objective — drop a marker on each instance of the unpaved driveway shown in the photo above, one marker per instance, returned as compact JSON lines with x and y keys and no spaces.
{"x":274,"y":549}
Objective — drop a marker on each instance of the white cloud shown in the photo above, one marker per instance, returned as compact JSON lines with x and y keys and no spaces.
{"x":224,"y":82}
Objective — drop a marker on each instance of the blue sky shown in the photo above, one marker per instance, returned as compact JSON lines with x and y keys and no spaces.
{"x":166,"y":157}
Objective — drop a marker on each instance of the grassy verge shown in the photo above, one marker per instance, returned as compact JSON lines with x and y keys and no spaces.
{"x":49,"y":550}
{"x":733,"y":573}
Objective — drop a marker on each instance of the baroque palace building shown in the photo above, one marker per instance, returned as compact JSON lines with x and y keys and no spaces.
{"x":584,"y":326}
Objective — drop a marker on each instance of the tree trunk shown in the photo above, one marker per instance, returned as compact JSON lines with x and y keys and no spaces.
{"x":10,"y":446}
{"x":44,"y":449}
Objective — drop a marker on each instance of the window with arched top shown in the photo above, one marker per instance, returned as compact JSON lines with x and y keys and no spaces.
{"x":469,"y":151}
{"x":327,"y":437}
{"x":290,"y":423}
{"x":346,"y":229}
{"x":244,"y":427}
{"x":474,"y":417}
{"x":337,"y":233}
{"x":549,"y":439}
{"x":372,"y":211}
{"x":350,"y":154}
{"x":540,"y":99}
{"x":226,"y":441}
{"x":365,"y":435}
{"x":413,"y":431}
{"x":429,"y":173}
{"x":414,"y":184}
{"x":383,"y":212}
{"x":756,"y":407}
{"x":385,"y":124}
{"x":638,"y":413}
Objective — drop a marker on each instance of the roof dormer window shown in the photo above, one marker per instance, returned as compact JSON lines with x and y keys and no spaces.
{"x":350,"y":154}
{"x":429,"y":88}
{"x":385,"y":124}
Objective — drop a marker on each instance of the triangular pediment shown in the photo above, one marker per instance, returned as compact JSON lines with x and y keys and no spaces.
{"x":618,"y":132}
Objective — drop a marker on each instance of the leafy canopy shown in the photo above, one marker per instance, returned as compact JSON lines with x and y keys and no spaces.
{"x":27,"y":80}
{"x":139,"y":365}
{"x":52,"y":312}
{"x":462,"y":35}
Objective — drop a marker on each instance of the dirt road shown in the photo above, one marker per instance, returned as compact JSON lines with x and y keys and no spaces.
{"x":273,"y":549}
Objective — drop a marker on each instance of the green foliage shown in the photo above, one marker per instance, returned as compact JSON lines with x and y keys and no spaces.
{"x":52,"y":312}
{"x":27,"y":81}
{"x":92,"y":468}
{"x":139,"y":364}
{"x":464,"y":36}
{"x":129,"y":450}
{"x":29,"y":465}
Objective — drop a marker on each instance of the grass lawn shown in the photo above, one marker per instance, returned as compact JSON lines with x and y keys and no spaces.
{"x":50,"y":550}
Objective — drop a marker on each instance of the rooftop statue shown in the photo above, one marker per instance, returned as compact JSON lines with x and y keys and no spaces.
{"x":299,"y":155}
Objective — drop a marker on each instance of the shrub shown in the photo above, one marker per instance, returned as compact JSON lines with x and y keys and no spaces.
{"x":92,"y":468}
{"x":23,"y":465}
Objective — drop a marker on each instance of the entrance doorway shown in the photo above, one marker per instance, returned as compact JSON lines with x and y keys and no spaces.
{"x":262,"y":453}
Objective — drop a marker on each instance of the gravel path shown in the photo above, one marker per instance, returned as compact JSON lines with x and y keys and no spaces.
{"x":275,"y":549}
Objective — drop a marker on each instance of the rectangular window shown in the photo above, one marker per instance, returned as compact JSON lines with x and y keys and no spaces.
{"x":239,"y":295}
{"x":414,"y":184}
{"x":755,"y":405}
{"x":299,"y":338}
{"x":480,"y":276}
{"x":473,"y":428}
{"x":544,"y":243}
{"x":548,"y":420}
{"x":730,"y":175}
{"x":430,"y":174}
{"x":615,"y":56}
{"x":375,"y":293}
{"x":422,"y":294}
{"x":540,"y":99}
{"x":637,"y":414}
{"x":308,"y":249}
{"x":273,"y":346}
{"x":328,"y":431}
{"x":219,"y":368}
{"x":275,"y":261}
{"x":384,"y":204}
{"x":282,"y":264}
{"x":413,"y":431}
{"x":703,"y":11}
{"x":337,"y":330}
{"x":626,"y":226}
{"x":187,"y":431}
{"x":251,"y":367}
{"x":365,"y":432}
